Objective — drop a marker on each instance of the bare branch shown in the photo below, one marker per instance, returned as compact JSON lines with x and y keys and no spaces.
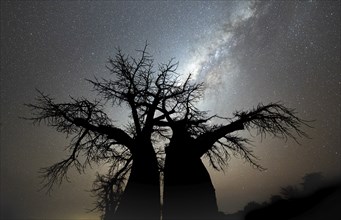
{"x":109,"y":188}
{"x":274,"y":119}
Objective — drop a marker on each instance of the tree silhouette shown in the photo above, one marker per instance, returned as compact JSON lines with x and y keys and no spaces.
{"x":188,"y":189}
{"x":109,"y":188}
{"x":96,"y":138}
{"x":158,"y":100}
{"x":319,"y":200}
{"x":311,"y":181}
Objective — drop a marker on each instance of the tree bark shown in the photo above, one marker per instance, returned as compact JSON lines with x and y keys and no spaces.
{"x":188,"y":189}
{"x":141,"y":198}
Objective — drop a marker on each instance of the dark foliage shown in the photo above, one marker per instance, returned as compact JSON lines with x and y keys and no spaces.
{"x":284,"y":209}
{"x":321,"y":200}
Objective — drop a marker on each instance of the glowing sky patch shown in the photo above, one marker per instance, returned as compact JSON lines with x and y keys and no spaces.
{"x":211,"y":58}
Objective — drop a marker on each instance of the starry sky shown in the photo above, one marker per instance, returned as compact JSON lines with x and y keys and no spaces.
{"x":246,"y":52}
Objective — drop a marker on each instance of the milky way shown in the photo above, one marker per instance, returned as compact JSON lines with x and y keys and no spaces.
{"x":212,"y":58}
{"x":246,"y":52}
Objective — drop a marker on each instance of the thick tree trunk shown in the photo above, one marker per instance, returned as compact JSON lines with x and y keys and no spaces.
{"x":141,"y":198}
{"x":188,"y":189}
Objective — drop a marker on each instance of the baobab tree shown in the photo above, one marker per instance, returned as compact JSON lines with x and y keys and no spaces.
{"x":161,"y":106}
{"x":96,"y":138}
{"x":188,"y":189}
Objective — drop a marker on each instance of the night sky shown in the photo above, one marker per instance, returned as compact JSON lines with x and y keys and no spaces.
{"x":246,"y":53}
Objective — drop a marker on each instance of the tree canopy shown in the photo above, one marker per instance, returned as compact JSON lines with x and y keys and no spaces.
{"x":161,"y":102}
